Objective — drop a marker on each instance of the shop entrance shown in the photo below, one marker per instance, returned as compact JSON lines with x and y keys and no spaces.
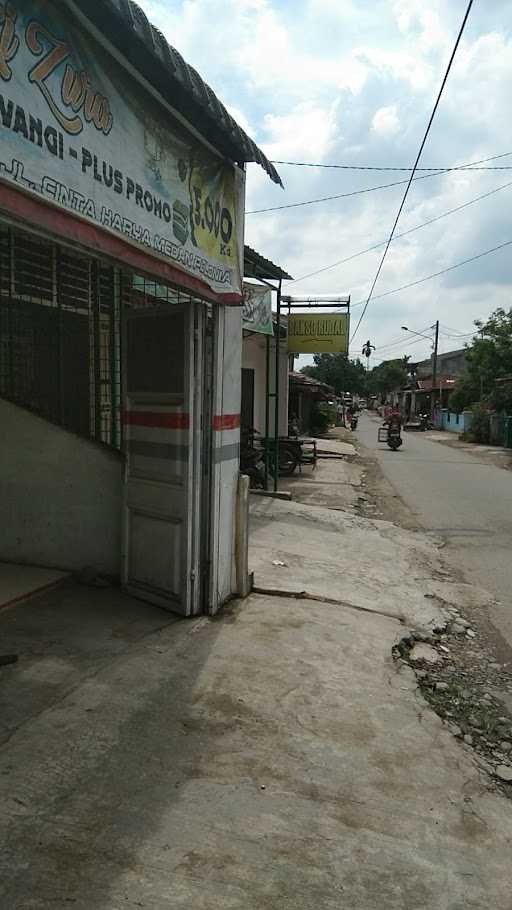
{"x":164,"y":444}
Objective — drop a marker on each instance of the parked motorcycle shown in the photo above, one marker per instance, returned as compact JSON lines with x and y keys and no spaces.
{"x":252,"y":460}
{"x":255,"y":451}
{"x":425,"y":422}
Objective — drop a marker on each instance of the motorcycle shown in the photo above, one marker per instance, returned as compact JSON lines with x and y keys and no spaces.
{"x":252,"y":460}
{"x":394,"y":439}
{"x":425,"y":422}
{"x":391,"y":433}
{"x":258,"y":457}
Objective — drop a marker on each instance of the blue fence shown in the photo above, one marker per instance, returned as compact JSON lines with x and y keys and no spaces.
{"x":455,"y":423}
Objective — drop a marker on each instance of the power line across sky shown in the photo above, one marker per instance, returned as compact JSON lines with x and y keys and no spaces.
{"x":416,"y":163}
{"x":450,"y":268}
{"x":471,"y":166}
{"x":368,"y":167}
{"x":418,"y":227}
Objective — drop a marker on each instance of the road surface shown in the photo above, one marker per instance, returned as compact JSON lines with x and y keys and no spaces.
{"x":466,"y":501}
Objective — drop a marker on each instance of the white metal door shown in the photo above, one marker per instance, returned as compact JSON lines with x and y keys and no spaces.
{"x":162,"y":423}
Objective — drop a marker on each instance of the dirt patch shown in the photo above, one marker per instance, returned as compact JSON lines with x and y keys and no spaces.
{"x":469,"y":689}
{"x":377,"y":497}
{"x":467,"y":680}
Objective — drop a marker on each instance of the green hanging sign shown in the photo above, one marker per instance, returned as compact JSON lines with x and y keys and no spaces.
{"x":257,"y":309}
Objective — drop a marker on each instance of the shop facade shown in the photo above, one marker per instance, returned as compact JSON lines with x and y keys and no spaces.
{"x":264,"y":349}
{"x":121,"y":257}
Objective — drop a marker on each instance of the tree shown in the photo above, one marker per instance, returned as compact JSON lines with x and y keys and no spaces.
{"x":388,"y":376}
{"x":488,"y":358}
{"x":338,"y":371}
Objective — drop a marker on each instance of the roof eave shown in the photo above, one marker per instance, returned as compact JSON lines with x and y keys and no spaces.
{"x":148,"y":53}
{"x":256,"y":266}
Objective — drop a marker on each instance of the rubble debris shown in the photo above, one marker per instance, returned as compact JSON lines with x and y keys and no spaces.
{"x":504,"y":772}
{"x":423,"y":652}
{"x":462,"y":685}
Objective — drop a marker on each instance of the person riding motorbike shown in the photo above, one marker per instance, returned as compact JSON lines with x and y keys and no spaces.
{"x":394,"y":418}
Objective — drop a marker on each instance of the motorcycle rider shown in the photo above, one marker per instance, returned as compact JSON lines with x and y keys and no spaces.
{"x":394,"y":418}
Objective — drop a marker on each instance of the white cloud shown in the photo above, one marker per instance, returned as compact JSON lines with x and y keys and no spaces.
{"x":243,"y":121}
{"x":429,"y":25}
{"x":385,"y":121}
{"x":354,"y":82}
{"x":306,"y":133}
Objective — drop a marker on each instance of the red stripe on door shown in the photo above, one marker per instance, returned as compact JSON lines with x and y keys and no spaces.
{"x":226,"y":421}
{"x":157,"y":419}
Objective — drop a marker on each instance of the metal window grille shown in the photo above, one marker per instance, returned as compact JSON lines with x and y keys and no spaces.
{"x":60,"y":331}
{"x":59,"y":335}
{"x":140,"y":292}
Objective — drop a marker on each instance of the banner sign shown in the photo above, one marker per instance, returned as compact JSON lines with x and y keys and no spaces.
{"x":257,"y":309}
{"x":318,"y":333}
{"x":79,"y":132}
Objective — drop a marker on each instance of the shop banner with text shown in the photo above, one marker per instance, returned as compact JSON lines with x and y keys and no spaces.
{"x":319,"y":333}
{"x":80,"y":133}
{"x":257,"y":309}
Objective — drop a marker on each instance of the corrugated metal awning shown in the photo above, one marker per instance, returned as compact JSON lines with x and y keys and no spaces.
{"x":256,"y":266}
{"x":128,"y":29}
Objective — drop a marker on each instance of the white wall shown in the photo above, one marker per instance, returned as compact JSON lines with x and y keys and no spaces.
{"x":60,"y":496}
{"x":254,"y":358}
{"x":226,"y":442}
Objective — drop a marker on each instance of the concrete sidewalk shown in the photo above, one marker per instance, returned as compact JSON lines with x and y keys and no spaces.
{"x":486,"y":454}
{"x":275,"y":757}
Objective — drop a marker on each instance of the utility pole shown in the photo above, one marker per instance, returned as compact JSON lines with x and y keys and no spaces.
{"x":434,"y":369}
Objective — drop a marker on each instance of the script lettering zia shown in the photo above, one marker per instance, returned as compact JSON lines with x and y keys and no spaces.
{"x":77,"y":95}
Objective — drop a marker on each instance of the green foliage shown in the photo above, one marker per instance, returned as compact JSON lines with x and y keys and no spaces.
{"x":338,"y":371}
{"x":488,"y":358}
{"x":323,"y":415}
{"x":465,"y":393}
{"x":480,"y":425}
{"x":388,"y":376}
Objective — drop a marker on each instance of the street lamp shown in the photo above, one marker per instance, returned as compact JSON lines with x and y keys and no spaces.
{"x":406,"y":329}
{"x":434,"y":357}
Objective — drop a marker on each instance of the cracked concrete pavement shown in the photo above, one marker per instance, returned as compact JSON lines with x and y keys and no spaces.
{"x":273,"y":757}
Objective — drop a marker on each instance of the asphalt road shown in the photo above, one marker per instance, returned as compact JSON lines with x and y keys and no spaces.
{"x":466,"y":501}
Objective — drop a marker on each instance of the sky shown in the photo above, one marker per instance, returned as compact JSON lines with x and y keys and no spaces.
{"x":353,"y":82}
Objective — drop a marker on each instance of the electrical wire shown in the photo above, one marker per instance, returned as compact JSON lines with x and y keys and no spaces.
{"x":450,"y":268}
{"x":370,"y":189}
{"x":450,"y":328}
{"x":379,"y":349}
{"x":398,"y":344}
{"x":392,"y":341}
{"x":418,"y":227}
{"x":364,"y":167}
{"x":455,"y":333}
{"x":398,"y":339}
{"x":457,"y":337}
{"x":389,"y":349}
{"x":416,"y":163}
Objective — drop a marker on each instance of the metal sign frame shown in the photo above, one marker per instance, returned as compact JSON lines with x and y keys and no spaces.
{"x":296,"y":303}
